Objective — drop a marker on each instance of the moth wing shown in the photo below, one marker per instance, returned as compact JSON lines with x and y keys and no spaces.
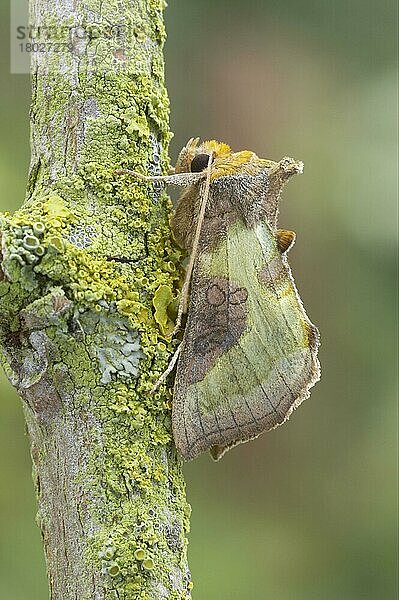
{"x":249,"y":352}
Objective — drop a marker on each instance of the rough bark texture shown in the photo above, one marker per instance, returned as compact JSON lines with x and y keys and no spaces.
{"x":87,"y":280}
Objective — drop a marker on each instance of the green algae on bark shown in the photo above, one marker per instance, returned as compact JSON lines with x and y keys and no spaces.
{"x":88,"y":279}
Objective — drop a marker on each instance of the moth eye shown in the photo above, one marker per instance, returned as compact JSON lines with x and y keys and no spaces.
{"x":199,"y":163}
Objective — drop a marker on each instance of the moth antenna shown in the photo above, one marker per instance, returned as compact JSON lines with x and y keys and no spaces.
{"x":170,"y":368}
{"x":137,"y":175}
{"x":183,"y":179}
{"x":193,"y":255}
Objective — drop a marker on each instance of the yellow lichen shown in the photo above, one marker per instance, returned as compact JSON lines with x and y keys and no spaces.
{"x":163,"y":298}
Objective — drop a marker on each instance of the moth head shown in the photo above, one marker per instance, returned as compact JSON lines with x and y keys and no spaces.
{"x":194,"y":157}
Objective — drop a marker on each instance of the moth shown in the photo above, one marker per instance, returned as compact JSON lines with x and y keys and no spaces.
{"x":248,"y":356}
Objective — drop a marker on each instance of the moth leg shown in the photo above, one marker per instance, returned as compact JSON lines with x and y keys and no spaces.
{"x":183,"y":179}
{"x":170,"y":368}
{"x":193,"y":256}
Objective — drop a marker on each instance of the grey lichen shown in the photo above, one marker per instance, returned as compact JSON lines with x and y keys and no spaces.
{"x":113,"y":342}
{"x":26,"y":247}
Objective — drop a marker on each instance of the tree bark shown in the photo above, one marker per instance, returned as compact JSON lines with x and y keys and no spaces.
{"x":88,"y":278}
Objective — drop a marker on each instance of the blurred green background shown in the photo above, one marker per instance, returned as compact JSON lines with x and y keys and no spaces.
{"x":307,"y":512}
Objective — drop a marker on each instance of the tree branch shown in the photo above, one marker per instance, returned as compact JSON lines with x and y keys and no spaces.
{"x":88,"y":274}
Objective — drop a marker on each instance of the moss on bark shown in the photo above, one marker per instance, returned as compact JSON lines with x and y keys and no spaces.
{"x":88,"y":279}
